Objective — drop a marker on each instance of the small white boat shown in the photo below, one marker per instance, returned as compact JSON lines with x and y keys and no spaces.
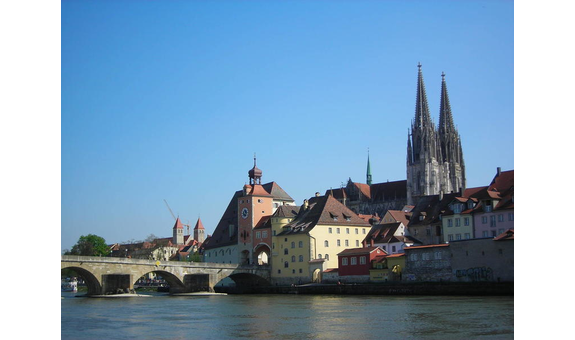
{"x":70,"y":286}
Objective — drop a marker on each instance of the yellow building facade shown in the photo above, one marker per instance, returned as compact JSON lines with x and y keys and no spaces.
{"x":390,"y":269}
{"x":306,"y":242}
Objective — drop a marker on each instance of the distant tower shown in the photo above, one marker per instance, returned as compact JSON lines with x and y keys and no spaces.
{"x":178,"y":233}
{"x":368,"y":175}
{"x":199,"y":231}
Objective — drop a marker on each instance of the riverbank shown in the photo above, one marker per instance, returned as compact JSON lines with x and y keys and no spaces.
{"x":407,"y":288}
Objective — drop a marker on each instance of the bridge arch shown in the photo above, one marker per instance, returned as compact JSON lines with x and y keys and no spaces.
{"x":262,"y":254}
{"x":92,"y":282}
{"x":173,"y":281}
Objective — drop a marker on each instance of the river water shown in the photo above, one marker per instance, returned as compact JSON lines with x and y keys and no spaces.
{"x":287,"y":317}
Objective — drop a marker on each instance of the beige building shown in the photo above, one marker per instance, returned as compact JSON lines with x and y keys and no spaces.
{"x":306,"y":241}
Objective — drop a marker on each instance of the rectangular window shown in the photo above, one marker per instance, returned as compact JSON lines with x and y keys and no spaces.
{"x":466,"y":221}
{"x":450,"y":237}
{"x":357,"y":243}
{"x":346,"y":243}
{"x":300,"y":244}
{"x":457,"y":222}
{"x":450,"y":223}
{"x":301,"y":258}
{"x":362,"y":260}
{"x":347,"y":230}
{"x":493,"y":233}
{"x":356,"y":231}
{"x":330,"y":230}
{"x":337,"y":230}
{"x":500,"y":217}
{"x":264,"y":234}
{"x":510,"y":217}
{"x":485,"y":233}
{"x":344,"y":261}
{"x":258,"y":234}
{"x":492,"y":220}
{"x":393,"y":249}
{"x":300,"y":270}
{"x":437,"y":255}
{"x":353,"y":261}
{"x":467,"y":236}
{"x":338,"y":243}
{"x":363,"y":230}
{"x":458,"y":236}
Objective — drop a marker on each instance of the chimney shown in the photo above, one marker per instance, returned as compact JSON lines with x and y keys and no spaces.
{"x":317,"y":194}
{"x":305,"y":205}
{"x":371,"y":242}
{"x":498,"y":171}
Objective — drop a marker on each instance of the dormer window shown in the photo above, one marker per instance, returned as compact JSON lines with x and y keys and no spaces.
{"x":334,"y":216}
{"x":488,"y":207}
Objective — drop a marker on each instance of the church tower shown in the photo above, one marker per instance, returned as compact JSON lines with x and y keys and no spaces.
{"x":199,"y":231}
{"x":178,"y":233}
{"x":434,"y":157}
{"x":423,"y":167}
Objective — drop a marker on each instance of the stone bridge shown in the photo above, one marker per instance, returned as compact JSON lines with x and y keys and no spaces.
{"x":106,"y":275}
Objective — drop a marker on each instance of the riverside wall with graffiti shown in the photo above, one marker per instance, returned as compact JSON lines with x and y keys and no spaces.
{"x":475,"y":260}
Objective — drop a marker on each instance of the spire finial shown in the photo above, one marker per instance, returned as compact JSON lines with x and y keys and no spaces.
{"x":443,"y":75}
{"x":419,"y":65}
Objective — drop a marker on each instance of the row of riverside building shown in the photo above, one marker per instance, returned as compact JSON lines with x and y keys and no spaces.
{"x":447,"y":237}
{"x":429,"y":227}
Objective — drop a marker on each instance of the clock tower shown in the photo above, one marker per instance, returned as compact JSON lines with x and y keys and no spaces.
{"x":254,"y":203}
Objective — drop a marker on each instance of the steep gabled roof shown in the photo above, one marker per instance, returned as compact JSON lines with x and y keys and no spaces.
{"x":276,"y":191}
{"x":289,"y":211}
{"x":221,"y":236}
{"x":322,"y":210}
{"x":361,"y":251}
{"x":389,"y":190}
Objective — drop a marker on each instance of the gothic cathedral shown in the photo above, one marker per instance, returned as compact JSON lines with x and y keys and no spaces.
{"x":434,"y":156}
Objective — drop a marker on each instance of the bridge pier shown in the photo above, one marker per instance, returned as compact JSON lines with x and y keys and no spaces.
{"x":115,"y":283}
{"x":199,"y":283}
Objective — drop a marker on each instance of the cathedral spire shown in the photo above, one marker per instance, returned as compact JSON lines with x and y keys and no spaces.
{"x":446,"y":125}
{"x":422,"y":117}
{"x":368,"y":175}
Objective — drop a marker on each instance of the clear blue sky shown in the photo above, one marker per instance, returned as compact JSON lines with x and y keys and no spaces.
{"x":170,"y":100}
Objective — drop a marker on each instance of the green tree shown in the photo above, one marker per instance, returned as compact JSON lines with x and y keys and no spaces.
{"x":90,"y":245}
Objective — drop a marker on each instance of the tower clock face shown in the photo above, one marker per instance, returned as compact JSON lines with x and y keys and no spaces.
{"x":245,"y":213}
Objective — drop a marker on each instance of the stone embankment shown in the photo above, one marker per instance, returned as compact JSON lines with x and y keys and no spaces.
{"x":419,"y":288}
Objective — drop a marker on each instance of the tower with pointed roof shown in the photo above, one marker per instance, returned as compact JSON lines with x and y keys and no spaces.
{"x":199,"y":231}
{"x":434,"y":156}
{"x":368,"y":175}
{"x":178,"y":233}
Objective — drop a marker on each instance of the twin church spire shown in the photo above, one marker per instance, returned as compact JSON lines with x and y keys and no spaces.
{"x":434,"y":156}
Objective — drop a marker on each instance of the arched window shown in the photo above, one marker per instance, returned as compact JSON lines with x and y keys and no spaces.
{"x":293,"y":258}
{"x":319,"y":256}
{"x":326,"y":243}
{"x":293,"y":244}
{"x":286,"y":264}
{"x":285,"y":251}
{"x":301,"y":258}
{"x":327,"y":257}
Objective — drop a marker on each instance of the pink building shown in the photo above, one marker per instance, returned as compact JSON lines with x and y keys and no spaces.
{"x":494,"y":212}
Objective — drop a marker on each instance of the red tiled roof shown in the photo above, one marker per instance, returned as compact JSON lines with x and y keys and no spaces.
{"x":354,"y":251}
{"x":258,"y":190}
{"x":178,"y":224}
{"x":508,"y":234}
{"x":199,"y":224}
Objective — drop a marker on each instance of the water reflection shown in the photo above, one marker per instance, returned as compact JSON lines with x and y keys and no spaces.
{"x":288,"y":317}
